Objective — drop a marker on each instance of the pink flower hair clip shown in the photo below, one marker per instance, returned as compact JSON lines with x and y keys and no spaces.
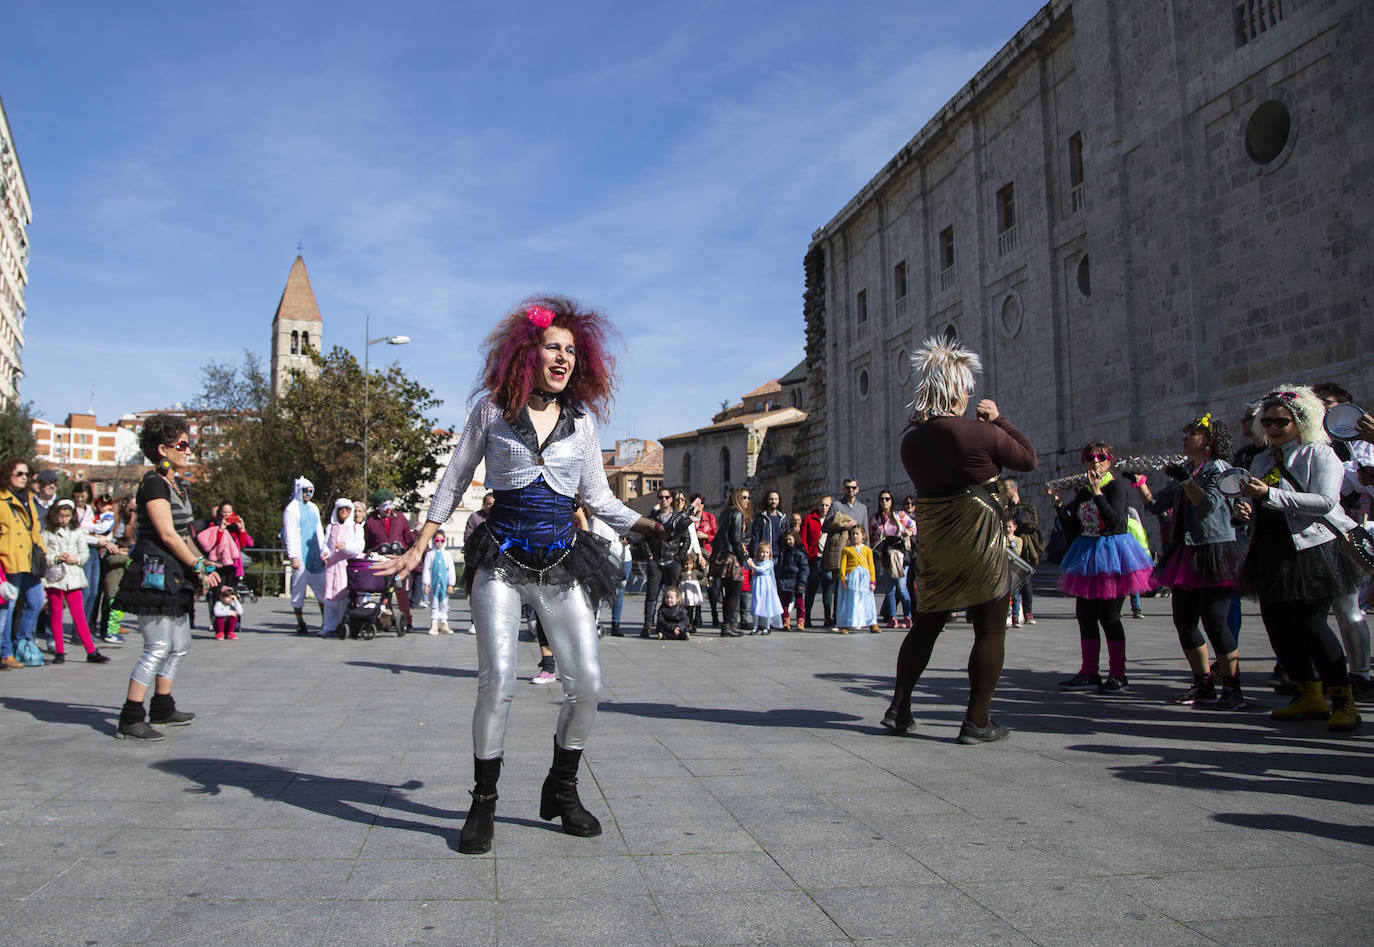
{"x":541,"y":318}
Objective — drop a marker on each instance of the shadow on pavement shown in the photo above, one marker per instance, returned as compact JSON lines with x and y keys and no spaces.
{"x":414,"y":668}
{"x":99,"y":719}
{"x":802,"y":717}
{"x":1359,"y":834}
{"x":345,"y":799}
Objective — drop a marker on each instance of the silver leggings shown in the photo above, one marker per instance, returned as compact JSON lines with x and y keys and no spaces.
{"x":1354,"y":632}
{"x":570,"y":626}
{"x":166,"y":639}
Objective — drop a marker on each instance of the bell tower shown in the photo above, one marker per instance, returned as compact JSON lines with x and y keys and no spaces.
{"x":296,"y":327}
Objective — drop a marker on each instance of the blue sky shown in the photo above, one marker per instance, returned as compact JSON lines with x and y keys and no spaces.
{"x":440,"y":161}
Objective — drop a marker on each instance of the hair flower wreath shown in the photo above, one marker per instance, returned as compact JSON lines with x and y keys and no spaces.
{"x":540,"y":317}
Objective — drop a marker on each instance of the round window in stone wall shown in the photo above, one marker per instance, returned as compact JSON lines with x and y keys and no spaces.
{"x":1084,"y":277}
{"x":904,"y":366}
{"x":1267,"y":132}
{"x":1011,"y":315}
{"x":863,"y":384}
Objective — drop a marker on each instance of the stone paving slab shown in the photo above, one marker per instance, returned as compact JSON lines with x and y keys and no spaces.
{"x":747,"y":792}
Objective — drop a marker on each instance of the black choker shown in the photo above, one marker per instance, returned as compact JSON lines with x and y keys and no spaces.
{"x":543,"y":395}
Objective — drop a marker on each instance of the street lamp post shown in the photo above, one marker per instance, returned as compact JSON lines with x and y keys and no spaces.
{"x":367,"y":380}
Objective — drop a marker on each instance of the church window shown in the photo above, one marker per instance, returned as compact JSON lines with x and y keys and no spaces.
{"x":295,"y":342}
{"x":899,"y":280}
{"x":861,"y":306}
{"x":1006,"y":219}
{"x":687,"y":469}
{"x":305,"y":341}
{"x":1256,"y":17}
{"x":947,"y":258}
{"x":863,"y":384}
{"x":725,"y":466}
{"x":1076,"y":198}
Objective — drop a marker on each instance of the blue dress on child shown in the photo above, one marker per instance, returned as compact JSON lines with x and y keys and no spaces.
{"x":856,"y":608}
{"x":767,"y":604}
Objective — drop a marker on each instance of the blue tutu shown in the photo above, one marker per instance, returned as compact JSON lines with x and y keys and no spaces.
{"x":856,"y":608}
{"x":1105,"y":567}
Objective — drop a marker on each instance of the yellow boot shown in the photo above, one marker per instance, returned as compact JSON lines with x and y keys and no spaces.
{"x":1344,"y":717}
{"x":1308,"y":705}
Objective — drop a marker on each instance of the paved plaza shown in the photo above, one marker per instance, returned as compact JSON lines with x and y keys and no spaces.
{"x":747,"y":792}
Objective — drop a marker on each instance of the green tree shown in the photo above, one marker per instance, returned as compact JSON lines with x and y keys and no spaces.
{"x":16,"y":431}
{"x":256,"y":446}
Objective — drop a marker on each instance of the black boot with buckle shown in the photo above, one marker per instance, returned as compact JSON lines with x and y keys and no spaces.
{"x":479,"y":827}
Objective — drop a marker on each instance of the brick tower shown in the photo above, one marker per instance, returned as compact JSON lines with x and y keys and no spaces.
{"x":296,"y":326}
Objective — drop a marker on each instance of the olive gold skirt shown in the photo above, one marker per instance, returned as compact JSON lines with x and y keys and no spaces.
{"x":961,"y":553}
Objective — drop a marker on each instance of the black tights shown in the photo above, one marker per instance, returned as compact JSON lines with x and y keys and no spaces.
{"x":1104,"y":612}
{"x":1301,"y":638}
{"x":984,"y":661}
{"x":1209,"y":606}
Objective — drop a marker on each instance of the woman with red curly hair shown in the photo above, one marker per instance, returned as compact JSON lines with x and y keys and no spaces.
{"x":548,"y":369}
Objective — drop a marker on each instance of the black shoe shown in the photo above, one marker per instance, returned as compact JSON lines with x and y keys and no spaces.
{"x":1081,"y":682}
{"x":1231,"y":699}
{"x":59,"y":658}
{"x":138,"y":731}
{"x":479,"y":827}
{"x":177,"y":718}
{"x":1203,"y":691}
{"x":898,"y":719}
{"x":559,"y":798}
{"x":95,"y":657}
{"x":730,"y":631}
{"x":970,"y":734}
{"x":301,"y":627}
{"x":644,"y":633}
{"x":1361,"y":687}
{"x":1113,"y":685}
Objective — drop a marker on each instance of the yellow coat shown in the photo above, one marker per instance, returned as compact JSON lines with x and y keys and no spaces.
{"x":855,"y":556}
{"x":19,"y":532}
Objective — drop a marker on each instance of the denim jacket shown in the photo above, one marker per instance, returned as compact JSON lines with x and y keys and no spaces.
{"x":1207,"y":522}
{"x":1317,"y":468}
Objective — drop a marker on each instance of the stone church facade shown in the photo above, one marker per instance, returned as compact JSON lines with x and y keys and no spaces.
{"x":1135,"y":212}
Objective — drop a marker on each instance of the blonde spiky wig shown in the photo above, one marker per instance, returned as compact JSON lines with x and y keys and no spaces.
{"x":1306,"y":408}
{"x":944,"y":376}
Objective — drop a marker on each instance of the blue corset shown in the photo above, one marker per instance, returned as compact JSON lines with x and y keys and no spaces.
{"x":534,"y":518}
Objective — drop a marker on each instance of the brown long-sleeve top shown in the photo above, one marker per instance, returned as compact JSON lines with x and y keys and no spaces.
{"x":951,"y":453}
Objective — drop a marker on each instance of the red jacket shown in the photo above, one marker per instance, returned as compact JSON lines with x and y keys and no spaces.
{"x":706,"y":532}
{"x":378,"y":529}
{"x":811,"y":535}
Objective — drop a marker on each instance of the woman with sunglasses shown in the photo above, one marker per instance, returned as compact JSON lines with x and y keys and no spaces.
{"x":547,"y":370}
{"x":1103,"y":564}
{"x":1202,"y":561}
{"x":21,"y":532}
{"x":1294,"y":566}
{"x":165,"y":570}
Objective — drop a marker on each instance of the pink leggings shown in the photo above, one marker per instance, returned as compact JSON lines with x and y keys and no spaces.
{"x":78,"y":610}
{"x":226,"y":625}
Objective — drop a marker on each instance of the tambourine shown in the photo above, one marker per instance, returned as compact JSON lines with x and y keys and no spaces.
{"x":1231,"y":480}
{"x":1343,"y":421}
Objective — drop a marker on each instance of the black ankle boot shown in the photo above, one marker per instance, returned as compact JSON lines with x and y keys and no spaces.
{"x":615,"y":630}
{"x":560,"y":795}
{"x":132,"y":726}
{"x":478,"y":829}
{"x":162,"y":710}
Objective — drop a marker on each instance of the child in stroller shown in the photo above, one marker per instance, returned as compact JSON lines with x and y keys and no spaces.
{"x":370,"y":596}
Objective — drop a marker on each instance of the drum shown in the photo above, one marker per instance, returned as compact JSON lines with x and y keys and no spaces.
{"x":1342,"y":421}
{"x":1231,"y":480}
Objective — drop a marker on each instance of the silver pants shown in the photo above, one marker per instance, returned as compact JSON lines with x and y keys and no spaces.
{"x":1354,"y":632}
{"x":570,"y":626}
{"x":166,"y":639}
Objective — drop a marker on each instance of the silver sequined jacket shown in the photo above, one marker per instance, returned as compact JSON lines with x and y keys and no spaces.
{"x":570,"y":463}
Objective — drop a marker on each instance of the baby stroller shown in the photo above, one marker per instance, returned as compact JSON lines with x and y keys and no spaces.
{"x":369,"y":600}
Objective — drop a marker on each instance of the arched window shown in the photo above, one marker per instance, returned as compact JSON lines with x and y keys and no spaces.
{"x":305,"y":341}
{"x":295,"y":342}
{"x":686,"y":470}
{"x":725,"y":466}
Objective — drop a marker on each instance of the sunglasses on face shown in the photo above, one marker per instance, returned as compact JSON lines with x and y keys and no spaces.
{"x":1096,"y":458}
{"x":885,"y":499}
{"x":1279,"y":423}
{"x":20,"y":473}
{"x":182,"y":445}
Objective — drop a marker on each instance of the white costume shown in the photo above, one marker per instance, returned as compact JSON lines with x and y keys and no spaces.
{"x":303,"y":534}
{"x":343,"y":541}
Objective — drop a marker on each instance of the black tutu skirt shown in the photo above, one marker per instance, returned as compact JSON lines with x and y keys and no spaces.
{"x":588,"y":562}
{"x":133,"y":599}
{"x":1274,"y":571}
{"x":1209,"y":566}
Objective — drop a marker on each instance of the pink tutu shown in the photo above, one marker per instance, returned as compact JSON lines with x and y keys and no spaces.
{"x":1105,"y":567}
